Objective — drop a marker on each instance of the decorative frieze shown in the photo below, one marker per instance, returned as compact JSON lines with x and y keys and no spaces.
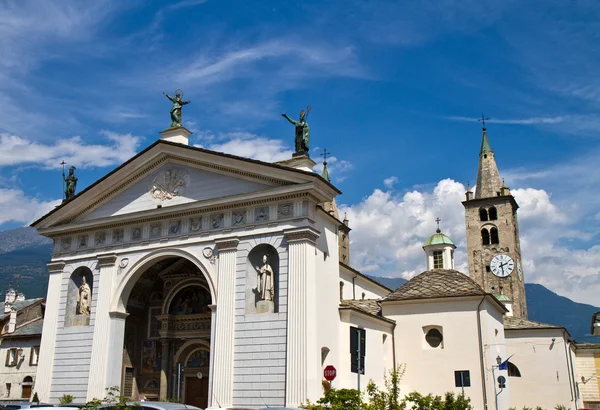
{"x":307,"y":234}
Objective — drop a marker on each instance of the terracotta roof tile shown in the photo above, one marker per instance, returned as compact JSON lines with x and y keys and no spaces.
{"x":437,"y":283}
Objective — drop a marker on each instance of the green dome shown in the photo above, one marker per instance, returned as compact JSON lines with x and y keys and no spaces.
{"x":438,"y":238}
{"x":503,"y":298}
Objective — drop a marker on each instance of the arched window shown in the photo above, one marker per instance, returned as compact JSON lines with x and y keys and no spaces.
{"x":341,"y":290}
{"x":483,"y":214}
{"x":26,"y":387}
{"x":513,"y":371}
{"x":485,"y":237}
{"x":493,"y":213}
{"x":494,"y":235}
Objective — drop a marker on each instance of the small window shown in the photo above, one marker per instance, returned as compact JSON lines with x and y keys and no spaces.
{"x":34,"y":357}
{"x":462,"y":378}
{"x":485,"y":237}
{"x":493,"y":213}
{"x":483,"y":214}
{"x":8,"y":390}
{"x":438,"y":259}
{"x":358,"y":347}
{"x":494,"y":234}
{"x":487,"y":268}
{"x":513,"y":371}
{"x":11,"y":357}
{"x":434,"y":338}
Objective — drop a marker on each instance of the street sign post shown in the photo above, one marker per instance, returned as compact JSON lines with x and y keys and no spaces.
{"x":329,"y":373}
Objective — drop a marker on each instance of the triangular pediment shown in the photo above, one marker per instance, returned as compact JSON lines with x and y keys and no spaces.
{"x":173,"y":176}
{"x":174,"y":184}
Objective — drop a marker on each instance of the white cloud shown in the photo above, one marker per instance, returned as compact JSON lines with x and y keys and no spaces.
{"x":390,"y":182}
{"x":16,"y":150}
{"x":247,"y":145}
{"x":389,"y":229}
{"x":16,"y":206}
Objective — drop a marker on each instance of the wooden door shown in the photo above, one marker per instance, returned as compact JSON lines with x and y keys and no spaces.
{"x":26,"y":392}
{"x":196,"y":391}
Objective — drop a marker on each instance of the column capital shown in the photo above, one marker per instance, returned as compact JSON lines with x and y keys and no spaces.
{"x":305,"y":234}
{"x":56,"y":266}
{"x":106,"y":260}
{"x":213,"y":308}
{"x":227,"y":244}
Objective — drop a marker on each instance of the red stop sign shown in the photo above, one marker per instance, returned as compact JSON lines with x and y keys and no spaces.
{"x":329,"y":373}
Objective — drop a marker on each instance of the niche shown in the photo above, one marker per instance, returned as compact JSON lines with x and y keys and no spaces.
{"x":79,"y":297}
{"x":262,"y":280}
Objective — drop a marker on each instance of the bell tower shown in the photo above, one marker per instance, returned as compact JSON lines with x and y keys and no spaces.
{"x":493,"y":245}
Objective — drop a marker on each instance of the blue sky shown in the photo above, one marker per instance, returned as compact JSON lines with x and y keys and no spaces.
{"x":395,"y":86}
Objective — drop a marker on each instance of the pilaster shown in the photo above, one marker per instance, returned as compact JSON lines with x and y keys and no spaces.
{"x":103,"y":357}
{"x":222,"y":355}
{"x":302,"y":380}
{"x":43,"y":380}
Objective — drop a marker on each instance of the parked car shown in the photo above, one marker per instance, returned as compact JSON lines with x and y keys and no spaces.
{"x":25,"y":405}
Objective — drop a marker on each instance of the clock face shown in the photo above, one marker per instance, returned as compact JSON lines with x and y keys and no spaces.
{"x":519,"y":271}
{"x":502,"y":265}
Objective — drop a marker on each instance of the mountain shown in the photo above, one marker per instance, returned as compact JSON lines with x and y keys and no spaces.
{"x":544,"y":306}
{"x":23,"y":258}
{"x":24,"y":254}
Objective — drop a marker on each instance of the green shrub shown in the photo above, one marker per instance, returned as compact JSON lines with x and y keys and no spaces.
{"x":35,"y":399}
{"x":416,"y":401}
{"x":66,"y":399}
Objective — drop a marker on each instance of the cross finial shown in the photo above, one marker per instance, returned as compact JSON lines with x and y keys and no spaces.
{"x":324,"y":155}
{"x":482,"y":119}
{"x":63,"y":162}
{"x":438,"y":220}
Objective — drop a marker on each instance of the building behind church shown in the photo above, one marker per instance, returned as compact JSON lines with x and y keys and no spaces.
{"x":225,"y":281}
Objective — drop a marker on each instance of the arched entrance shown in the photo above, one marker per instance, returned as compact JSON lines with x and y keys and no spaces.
{"x":167,"y":334}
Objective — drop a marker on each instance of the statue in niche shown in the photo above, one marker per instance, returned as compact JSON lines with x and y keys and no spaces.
{"x":84,"y":298}
{"x":302,"y":134}
{"x":265,"y":287}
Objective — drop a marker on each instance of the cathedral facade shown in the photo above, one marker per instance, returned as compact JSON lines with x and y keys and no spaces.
{"x":223,"y":281}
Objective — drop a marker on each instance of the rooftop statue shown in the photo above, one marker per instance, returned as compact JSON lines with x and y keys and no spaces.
{"x":302,"y":134}
{"x":178,"y":102}
{"x":71,"y":181}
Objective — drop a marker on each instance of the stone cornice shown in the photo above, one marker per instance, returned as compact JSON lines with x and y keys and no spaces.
{"x":118,"y":315}
{"x":227,"y":244}
{"x":306,"y":234}
{"x":56,"y":267}
{"x":107,"y":260}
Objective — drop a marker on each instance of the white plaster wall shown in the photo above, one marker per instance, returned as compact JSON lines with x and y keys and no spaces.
{"x":371,"y":290}
{"x":431,"y":370}
{"x":545,"y":375}
{"x":202,"y":185}
{"x":585,"y":362}
{"x":378,"y":358}
{"x":15,"y":374}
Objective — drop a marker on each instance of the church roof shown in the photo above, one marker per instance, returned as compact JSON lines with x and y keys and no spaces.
{"x":437,"y":283}
{"x":369,"y":306}
{"x":517,"y":323}
{"x":485,"y":144}
{"x":438,"y":238}
{"x":30,"y":329}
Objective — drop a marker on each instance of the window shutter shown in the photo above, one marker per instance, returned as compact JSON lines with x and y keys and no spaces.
{"x":6,"y":363}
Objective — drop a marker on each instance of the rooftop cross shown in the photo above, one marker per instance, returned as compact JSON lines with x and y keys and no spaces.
{"x":482,"y":119}
{"x":324,"y":155}
{"x":438,"y":220}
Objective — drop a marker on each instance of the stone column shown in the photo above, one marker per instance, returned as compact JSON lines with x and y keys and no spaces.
{"x":302,"y":361}
{"x":101,"y":359}
{"x":164,"y":370}
{"x":43,"y":378}
{"x":222,"y":369}
{"x":213,"y":320}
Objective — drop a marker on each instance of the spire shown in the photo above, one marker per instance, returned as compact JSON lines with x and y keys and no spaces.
{"x":325,"y":173}
{"x":488,"y":178}
{"x":330,"y":207}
